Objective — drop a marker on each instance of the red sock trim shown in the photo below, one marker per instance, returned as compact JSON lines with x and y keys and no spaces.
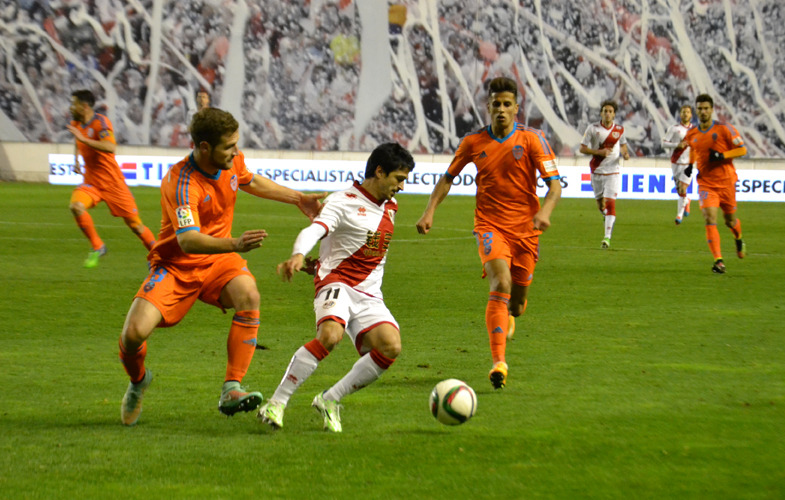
{"x":381,"y":360}
{"x":317,"y":349}
{"x":610,"y":207}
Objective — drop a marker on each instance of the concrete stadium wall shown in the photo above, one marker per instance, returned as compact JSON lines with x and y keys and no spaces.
{"x":29,"y":162}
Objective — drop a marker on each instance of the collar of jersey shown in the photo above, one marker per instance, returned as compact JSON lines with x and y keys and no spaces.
{"x":192,"y":162}
{"x":365,"y":193}
{"x":713,"y":122}
{"x":490,"y":132}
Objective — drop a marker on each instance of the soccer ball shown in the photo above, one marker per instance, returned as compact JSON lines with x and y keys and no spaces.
{"x":453,"y":402}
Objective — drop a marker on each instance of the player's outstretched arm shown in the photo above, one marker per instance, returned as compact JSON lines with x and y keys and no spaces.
{"x":199,"y":243}
{"x":263,"y":187}
{"x":440,"y":191}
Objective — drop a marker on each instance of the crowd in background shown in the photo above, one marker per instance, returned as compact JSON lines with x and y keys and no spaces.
{"x":301,"y":66}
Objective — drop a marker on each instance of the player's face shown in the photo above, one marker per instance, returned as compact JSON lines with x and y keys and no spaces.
{"x":607,"y":114}
{"x":202,"y":100}
{"x":686,"y":115}
{"x":704,"y":110}
{"x":391,"y":183}
{"x":224,"y":152}
{"x":503,"y":109}
{"x":77,"y":109}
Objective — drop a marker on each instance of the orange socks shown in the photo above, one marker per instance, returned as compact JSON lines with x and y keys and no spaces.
{"x":85,"y":223}
{"x":241,"y":344}
{"x":147,"y":238}
{"x":140,"y":230}
{"x":713,"y":239}
{"x":497,"y":318}
{"x":133,"y":362}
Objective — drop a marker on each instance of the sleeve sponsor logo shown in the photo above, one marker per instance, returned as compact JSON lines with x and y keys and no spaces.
{"x":550,"y":166}
{"x":184,"y":216}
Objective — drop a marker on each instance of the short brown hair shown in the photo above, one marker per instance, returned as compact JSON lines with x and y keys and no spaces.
{"x":210,"y":125}
{"x":503,"y":84}
{"x":611,"y":103}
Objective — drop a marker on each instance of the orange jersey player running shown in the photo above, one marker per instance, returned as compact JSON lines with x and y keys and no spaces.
{"x":508,"y":218}
{"x":196,"y":257}
{"x":713,"y":145}
{"x":103,"y":180}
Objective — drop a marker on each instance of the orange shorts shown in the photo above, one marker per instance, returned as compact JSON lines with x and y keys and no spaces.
{"x":521,"y":255}
{"x":725,"y":198}
{"x":173,"y":290}
{"x":119,"y":199}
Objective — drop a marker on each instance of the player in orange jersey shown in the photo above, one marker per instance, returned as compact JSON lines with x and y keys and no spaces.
{"x":508,"y":218}
{"x":196,"y":257}
{"x":713,"y":145}
{"x":103,"y":180}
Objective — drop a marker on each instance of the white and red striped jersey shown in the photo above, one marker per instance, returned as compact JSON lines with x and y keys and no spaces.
{"x":673,"y":136}
{"x":354,"y":250}
{"x":599,"y":137}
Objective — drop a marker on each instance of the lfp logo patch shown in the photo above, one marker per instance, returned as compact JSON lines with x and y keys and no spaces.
{"x":184,"y":216}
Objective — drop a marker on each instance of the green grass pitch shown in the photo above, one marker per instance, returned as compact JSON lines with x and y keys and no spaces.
{"x":635,"y":372}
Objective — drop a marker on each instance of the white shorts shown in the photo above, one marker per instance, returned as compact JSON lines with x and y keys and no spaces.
{"x":358,"y":312}
{"x":606,"y":185}
{"x":679,"y":175}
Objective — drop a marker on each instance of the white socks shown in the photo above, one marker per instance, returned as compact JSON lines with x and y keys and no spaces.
{"x":302,"y":365}
{"x":364,"y":372}
{"x":609,"y":221}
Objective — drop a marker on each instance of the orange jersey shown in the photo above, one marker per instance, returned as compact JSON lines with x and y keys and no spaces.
{"x":101,"y":169}
{"x":720,"y":137}
{"x":192,"y":200}
{"x":507,"y":170}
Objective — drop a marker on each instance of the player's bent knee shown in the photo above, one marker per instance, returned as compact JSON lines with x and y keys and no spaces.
{"x":329,"y":338}
{"x":77,"y":208}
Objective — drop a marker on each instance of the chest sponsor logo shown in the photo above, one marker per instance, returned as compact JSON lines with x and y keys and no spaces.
{"x":184,"y":216}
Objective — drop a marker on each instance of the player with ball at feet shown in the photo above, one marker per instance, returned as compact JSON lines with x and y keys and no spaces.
{"x":355,"y":228}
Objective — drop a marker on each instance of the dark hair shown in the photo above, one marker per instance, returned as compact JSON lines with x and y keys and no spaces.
{"x":85,"y":96}
{"x":611,"y":103}
{"x":210,"y":125}
{"x":503,"y":84}
{"x":390,"y":156}
{"x":704,"y":98}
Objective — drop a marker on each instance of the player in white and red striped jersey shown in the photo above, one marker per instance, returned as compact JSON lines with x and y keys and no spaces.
{"x":680,"y":159}
{"x":355,"y":227}
{"x":606,"y":142}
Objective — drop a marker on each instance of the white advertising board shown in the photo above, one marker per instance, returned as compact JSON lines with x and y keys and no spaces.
{"x":332,"y":175}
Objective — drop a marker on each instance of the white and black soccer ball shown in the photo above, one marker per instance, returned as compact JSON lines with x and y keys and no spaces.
{"x":453,"y":402}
